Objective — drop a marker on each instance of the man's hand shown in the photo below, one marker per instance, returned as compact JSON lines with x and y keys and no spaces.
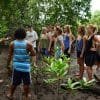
{"x":81,"y":56}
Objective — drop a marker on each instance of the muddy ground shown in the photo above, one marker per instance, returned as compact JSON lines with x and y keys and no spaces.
{"x":39,"y":91}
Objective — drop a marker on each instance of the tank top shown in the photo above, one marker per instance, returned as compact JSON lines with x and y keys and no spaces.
{"x":89,"y":44}
{"x":79,"y":45}
{"x":59,"y":40}
{"x":21,"y":58}
{"x":66,"y":42}
{"x":44,"y":40}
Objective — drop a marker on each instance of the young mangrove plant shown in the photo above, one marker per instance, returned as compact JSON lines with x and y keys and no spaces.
{"x":81,"y":84}
{"x":57,"y":71}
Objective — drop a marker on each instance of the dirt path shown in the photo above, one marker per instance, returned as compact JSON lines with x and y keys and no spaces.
{"x":42,"y":92}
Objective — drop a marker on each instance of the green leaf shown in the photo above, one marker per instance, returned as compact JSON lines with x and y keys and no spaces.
{"x":50,"y":81}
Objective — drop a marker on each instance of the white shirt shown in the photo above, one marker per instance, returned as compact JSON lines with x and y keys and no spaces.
{"x":32,"y":37}
{"x":60,"y":38}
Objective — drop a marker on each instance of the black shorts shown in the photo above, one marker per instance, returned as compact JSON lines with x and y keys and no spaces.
{"x":78,"y":54}
{"x":90,"y":58}
{"x":66,"y":52}
{"x":98,"y":57}
{"x":19,"y":77}
{"x":35,"y":49}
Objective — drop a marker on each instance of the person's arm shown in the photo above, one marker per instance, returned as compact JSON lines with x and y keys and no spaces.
{"x":62,"y":43}
{"x":50,"y":43}
{"x":97,"y":38}
{"x":10,"y":54}
{"x":30,"y":49}
{"x":31,"y":52}
{"x":62,"y":46}
{"x":84,"y":46}
{"x":71,"y":39}
{"x":35,"y":37}
{"x":39,"y":45}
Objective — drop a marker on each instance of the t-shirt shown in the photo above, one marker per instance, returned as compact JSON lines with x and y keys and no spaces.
{"x":32,"y":37}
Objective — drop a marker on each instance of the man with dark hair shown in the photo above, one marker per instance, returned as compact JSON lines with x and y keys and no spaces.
{"x":20,"y":51}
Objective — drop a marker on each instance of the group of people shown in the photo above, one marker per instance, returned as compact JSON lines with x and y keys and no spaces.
{"x":57,"y":40}
{"x":88,"y":49}
{"x":53,"y":41}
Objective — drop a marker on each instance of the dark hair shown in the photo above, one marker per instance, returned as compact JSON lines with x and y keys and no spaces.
{"x":82,"y":29}
{"x":29,"y":26}
{"x":20,"y":33}
{"x":59,"y":30}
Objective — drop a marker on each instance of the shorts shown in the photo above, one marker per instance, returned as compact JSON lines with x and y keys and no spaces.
{"x":19,"y":77}
{"x":66,"y":52}
{"x":45,"y":52}
{"x":78,"y":54}
{"x":35,"y":49}
{"x":98,"y":57}
{"x":90,"y":58}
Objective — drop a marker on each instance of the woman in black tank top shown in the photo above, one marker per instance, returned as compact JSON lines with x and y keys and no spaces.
{"x":90,"y":50}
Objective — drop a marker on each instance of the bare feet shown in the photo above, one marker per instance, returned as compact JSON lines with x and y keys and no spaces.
{"x":1,"y":81}
{"x":27,"y":98}
{"x":9,"y":97}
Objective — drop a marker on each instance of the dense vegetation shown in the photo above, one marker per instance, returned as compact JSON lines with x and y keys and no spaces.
{"x":14,"y":13}
{"x":95,"y":19}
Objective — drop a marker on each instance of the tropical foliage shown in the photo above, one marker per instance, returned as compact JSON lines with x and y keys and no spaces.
{"x":39,"y":13}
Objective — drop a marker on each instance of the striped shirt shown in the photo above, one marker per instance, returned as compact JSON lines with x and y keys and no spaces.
{"x":21,"y":58}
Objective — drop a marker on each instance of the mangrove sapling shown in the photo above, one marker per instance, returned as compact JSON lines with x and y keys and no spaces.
{"x":70,"y":85}
{"x":57,"y":70}
{"x":78,"y":85}
{"x":89,"y":86}
{"x":85,"y":84}
{"x":48,"y":60}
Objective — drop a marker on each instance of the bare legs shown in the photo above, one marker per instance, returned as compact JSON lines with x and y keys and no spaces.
{"x":89,"y":72}
{"x":81,"y":67}
{"x":11,"y":92}
{"x":13,"y":88}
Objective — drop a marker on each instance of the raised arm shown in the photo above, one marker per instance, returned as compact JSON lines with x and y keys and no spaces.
{"x":10,"y":54}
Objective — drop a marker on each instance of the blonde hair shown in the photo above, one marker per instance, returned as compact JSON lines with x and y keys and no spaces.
{"x":43,"y":29}
{"x":93,"y":28}
{"x":68,"y":27}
